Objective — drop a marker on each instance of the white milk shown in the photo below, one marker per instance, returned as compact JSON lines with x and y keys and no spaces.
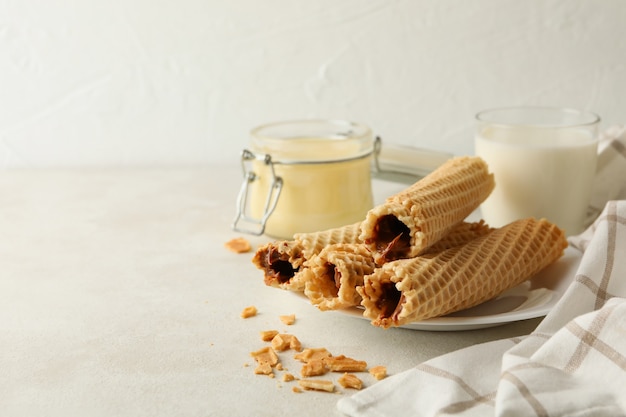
{"x":538,"y":173}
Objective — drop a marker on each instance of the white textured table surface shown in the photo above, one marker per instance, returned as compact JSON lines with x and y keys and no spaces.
{"x":118,"y":298}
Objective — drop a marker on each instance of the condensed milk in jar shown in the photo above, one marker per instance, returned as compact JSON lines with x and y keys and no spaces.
{"x":305,"y":176}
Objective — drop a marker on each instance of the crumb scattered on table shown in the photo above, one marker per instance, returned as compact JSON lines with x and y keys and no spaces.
{"x":379,"y":372}
{"x":314,"y":368}
{"x":267,"y":359}
{"x":317,"y":384}
{"x":283,"y":341}
{"x":311,"y":354}
{"x":342,"y":363}
{"x":248,"y":312}
{"x":350,"y":381}
{"x":238,"y":245}
{"x":268,"y":335}
{"x":288,"y":319}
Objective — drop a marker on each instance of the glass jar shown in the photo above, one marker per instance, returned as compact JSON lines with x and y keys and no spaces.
{"x":305,"y":176}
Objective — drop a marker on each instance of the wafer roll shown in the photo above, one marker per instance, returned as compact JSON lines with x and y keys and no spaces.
{"x":334,"y":274}
{"x":414,"y":219}
{"x":460,"y":235}
{"x":415,"y":289}
{"x":280,"y":262}
{"x":283,"y":261}
{"x":313,"y":243}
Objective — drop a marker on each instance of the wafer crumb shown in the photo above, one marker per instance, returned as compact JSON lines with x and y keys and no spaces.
{"x":312,"y":354}
{"x":288,"y":377}
{"x":267,"y":359}
{"x":379,"y":372}
{"x":238,"y":245}
{"x":350,"y":381}
{"x":297,"y":390}
{"x":264,"y":369}
{"x":314,"y":368}
{"x":248,"y":312}
{"x":282,"y":342}
{"x":268,"y":335}
{"x":342,"y":363}
{"x":288,"y":319}
{"x":317,"y":385}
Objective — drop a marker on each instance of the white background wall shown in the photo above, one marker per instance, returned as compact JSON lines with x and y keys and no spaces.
{"x":128,"y":82}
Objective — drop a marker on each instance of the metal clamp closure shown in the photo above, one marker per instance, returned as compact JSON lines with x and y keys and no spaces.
{"x":249,"y":176}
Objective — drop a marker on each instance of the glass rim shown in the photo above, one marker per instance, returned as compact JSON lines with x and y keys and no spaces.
{"x":593,"y":118}
{"x":285,"y":140}
{"x":362,"y":131}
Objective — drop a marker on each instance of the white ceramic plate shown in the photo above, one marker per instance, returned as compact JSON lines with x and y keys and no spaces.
{"x":533,"y":298}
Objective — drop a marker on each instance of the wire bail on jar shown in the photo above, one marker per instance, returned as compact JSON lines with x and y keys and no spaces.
{"x":259,"y":223}
{"x":249,"y":176}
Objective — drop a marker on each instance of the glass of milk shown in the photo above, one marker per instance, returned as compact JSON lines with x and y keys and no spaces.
{"x":544,"y":162}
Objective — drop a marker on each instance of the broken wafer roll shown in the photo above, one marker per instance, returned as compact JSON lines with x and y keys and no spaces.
{"x":409,"y":290}
{"x":282,"y":261}
{"x":406,"y":224}
{"x":332,"y":276}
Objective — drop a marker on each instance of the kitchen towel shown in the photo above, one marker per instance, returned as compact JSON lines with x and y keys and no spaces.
{"x":573,"y":364}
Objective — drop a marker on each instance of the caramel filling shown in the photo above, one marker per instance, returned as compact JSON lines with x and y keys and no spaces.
{"x":334,"y":276}
{"x":391,"y":237}
{"x":390,"y":301}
